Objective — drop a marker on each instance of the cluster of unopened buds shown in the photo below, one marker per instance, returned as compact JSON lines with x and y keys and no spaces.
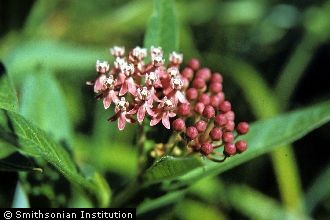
{"x":188,"y":100}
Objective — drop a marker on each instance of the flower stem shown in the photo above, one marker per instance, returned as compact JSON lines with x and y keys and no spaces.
{"x":140,"y":138}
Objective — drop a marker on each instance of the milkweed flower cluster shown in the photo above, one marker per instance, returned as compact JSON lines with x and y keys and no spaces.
{"x":188,"y":100}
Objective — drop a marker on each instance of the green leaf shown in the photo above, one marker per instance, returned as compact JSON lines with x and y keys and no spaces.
{"x":6,"y":149}
{"x":255,"y":205}
{"x":57,"y":56}
{"x":33,"y":141}
{"x":319,"y":190}
{"x":17,"y":162}
{"x":263,"y":137}
{"x":43,"y":102}
{"x":8,"y":98}
{"x":162,"y":28}
{"x":20,"y":198}
{"x":151,"y":204}
{"x":197,"y":210}
{"x":169,"y":167}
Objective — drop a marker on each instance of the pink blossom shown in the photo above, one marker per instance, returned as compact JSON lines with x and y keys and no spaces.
{"x":176,"y":86}
{"x":102,"y":67}
{"x":164,"y":112}
{"x":152,"y":79}
{"x":99,"y":83}
{"x":117,"y":51}
{"x":144,"y":100}
{"x":126,"y":79}
{"x":121,"y":114}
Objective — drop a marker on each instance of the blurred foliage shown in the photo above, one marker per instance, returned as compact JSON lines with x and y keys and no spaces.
{"x":273,"y":55}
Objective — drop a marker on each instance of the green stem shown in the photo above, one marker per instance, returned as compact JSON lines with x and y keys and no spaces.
{"x":294,"y":69}
{"x":141,"y":136}
{"x":125,"y":195}
{"x":133,"y":188}
{"x":287,"y":176}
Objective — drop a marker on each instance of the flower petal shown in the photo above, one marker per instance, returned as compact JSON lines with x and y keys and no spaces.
{"x":141,"y":113}
{"x":150,"y":111}
{"x":121,"y":78}
{"x":98,"y":86}
{"x":123,"y":89}
{"x":181,"y":97}
{"x":107,"y":101}
{"x":166,"y":121}
{"x":171,"y":114}
{"x":114,"y":96}
{"x":121,"y":121}
{"x":131,"y":86}
{"x":155,"y":121}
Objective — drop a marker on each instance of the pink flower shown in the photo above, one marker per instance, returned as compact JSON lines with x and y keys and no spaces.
{"x":144,"y":100}
{"x":175,"y":58}
{"x":99,"y":83}
{"x":152,"y":79}
{"x":164,"y":112}
{"x":138,"y":53}
{"x":117,"y":51}
{"x":110,"y":94}
{"x":121,"y":114}
{"x":102,"y":67}
{"x":176,"y":93}
{"x":126,"y":79}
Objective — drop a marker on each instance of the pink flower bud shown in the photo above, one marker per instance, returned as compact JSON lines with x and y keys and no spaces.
{"x":192,"y":94}
{"x":184,"y":109}
{"x":225,"y":106}
{"x":242,"y":128}
{"x":204,"y":73}
{"x":229,"y":149}
{"x":208,"y":112}
{"x":179,"y":125}
{"x":200,"y":126}
{"x":194,"y":64}
{"x":230,"y":126}
{"x":199,"y":108}
{"x":216,"y":87}
{"x":204,"y":98}
{"x":191,"y":132}
{"x":199,"y":83}
{"x":206,"y":148}
{"x":188,"y":73}
{"x":220,"y":120}
{"x":216,"y":134}
{"x":241,"y":146}
{"x":228,"y":137}
{"x":216,"y":77}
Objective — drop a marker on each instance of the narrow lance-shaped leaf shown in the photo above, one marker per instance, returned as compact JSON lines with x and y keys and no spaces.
{"x":8,"y":98}
{"x":169,"y":167}
{"x":20,"y":198}
{"x":33,"y":141}
{"x":162,"y":28}
{"x":43,"y":103}
{"x":17,"y":162}
{"x":59,"y":57}
{"x":263,"y":137}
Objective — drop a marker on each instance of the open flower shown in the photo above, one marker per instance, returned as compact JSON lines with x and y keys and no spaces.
{"x":144,"y":101}
{"x":117,"y":51}
{"x":110,"y":95}
{"x":127,"y":80}
{"x":121,"y":114}
{"x":175,"y":58}
{"x":164,"y":112}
